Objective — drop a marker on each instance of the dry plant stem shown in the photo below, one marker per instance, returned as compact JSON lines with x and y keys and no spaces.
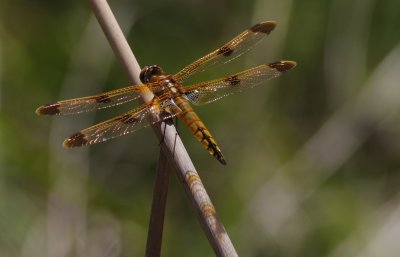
{"x":172,"y":145}
{"x":154,"y":236}
{"x":116,"y":39}
{"x":196,"y":192}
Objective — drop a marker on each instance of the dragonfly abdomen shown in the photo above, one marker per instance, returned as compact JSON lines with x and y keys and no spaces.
{"x":199,"y":130}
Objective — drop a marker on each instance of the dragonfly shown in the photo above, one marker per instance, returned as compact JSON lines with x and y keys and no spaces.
{"x":171,"y":98}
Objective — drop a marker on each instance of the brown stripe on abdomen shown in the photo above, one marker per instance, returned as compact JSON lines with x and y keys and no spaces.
{"x":202,"y":134}
{"x":197,"y":127}
{"x":209,"y":143}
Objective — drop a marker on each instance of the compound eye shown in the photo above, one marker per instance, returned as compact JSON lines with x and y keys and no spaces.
{"x":155,"y":71}
{"x":149,"y":72}
{"x":144,"y":74}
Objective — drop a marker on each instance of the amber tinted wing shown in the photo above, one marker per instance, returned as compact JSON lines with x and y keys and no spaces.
{"x":234,"y":48}
{"x":124,"y":124}
{"x":210,"y":91}
{"x":90,"y":103}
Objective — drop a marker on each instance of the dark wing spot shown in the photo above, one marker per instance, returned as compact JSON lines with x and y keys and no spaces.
{"x":48,"y":109}
{"x":103,"y":99}
{"x":76,"y":140}
{"x":264,"y":27}
{"x":282,"y":66}
{"x":232,"y":80}
{"x":225,"y":51}
{"x":128,"y":119}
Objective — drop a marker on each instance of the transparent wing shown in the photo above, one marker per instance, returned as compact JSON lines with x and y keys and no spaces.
{"x":234,"y":48}
{"x":91,"y":103}
{"x":124,"y":124}
{"x":210,"y":91}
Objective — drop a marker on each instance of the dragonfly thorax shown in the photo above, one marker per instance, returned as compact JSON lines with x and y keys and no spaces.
{"x":167,"y":85}
{"x":151,"y":73}
{"x":171,"y":86}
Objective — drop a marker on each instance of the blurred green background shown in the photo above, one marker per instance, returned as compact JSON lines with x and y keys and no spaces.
{"x":313,"y":157}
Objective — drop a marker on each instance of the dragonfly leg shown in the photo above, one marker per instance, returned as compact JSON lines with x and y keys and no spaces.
{"x":167,"y":121}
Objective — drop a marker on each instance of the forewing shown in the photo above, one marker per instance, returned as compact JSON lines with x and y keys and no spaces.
{"x":210,"y":91}
{"x":91,"y":103}
{"x":124,"y":124}
{"x":231,"y":50}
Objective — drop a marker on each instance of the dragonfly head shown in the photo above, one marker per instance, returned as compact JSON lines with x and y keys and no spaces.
{"x":151,"y":73}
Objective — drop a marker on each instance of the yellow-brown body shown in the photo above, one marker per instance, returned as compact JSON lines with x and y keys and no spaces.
{"x":197,"y":127}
